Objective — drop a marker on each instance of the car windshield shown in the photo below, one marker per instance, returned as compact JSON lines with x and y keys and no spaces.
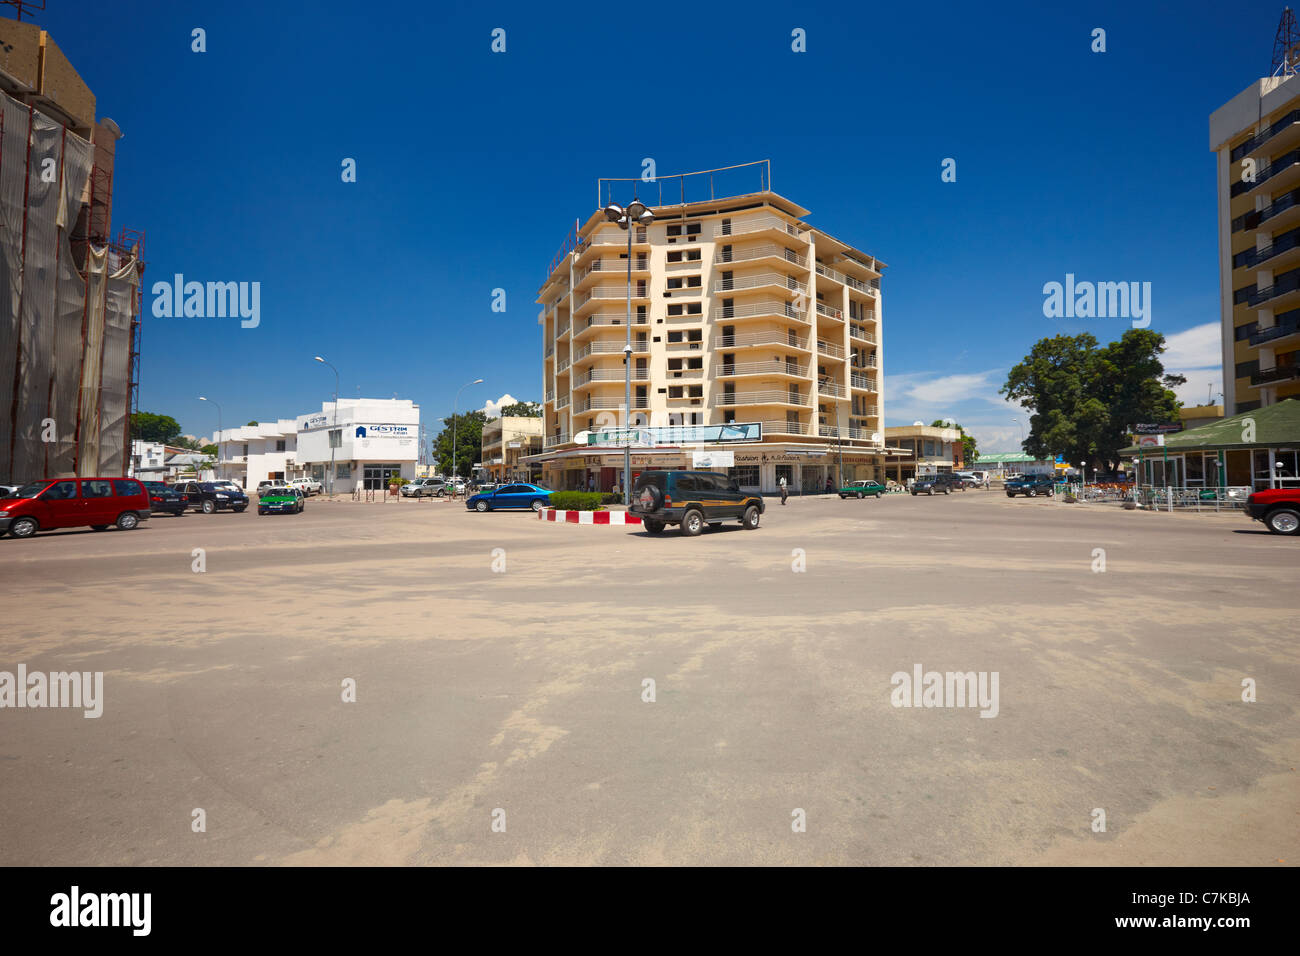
{"x":276,"y":491}
{"x":31,"y":490}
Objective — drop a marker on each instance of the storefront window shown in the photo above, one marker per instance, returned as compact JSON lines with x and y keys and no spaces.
{"x":786,"y":472}
{"x":745,"y":475}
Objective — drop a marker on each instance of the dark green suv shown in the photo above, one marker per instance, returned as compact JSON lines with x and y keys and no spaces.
{"x":691,"y":499}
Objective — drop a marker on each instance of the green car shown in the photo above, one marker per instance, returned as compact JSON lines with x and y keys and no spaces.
{"x":281,"y":500}
{"x":860,"y":489}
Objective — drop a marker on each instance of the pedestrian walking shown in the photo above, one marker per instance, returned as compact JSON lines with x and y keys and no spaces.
{"x":784,"y":491}
{"x":829,"y":487}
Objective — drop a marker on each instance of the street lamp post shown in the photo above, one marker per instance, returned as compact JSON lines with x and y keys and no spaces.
{"x":454,"y":408}
{"x":219,"y":431}
{"x":335,"y":427}
{"x":635,"y":214}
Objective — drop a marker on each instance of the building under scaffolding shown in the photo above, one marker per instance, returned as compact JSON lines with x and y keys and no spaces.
{"x":69,"y":296}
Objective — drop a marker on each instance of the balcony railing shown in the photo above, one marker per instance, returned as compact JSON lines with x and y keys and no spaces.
{"x":607,"y":348}
{"x":561,"y":330}
{"x":550,"y":395}
{"x":769,"y":397}
{"x":826,"y":310}
{"x":1287,"y":282}
{"x":613,"y":266}
{"x":826,"y":348}
{"x":1284,"y":243}
{"x":760,"y":338}
{"x":553,"y":441}
{"x":1257,"y":217}
{"x":583,"y":323}
{"x":598,"y":404}
{"x":617,"y":237}
{"x":764,"y":251}
{"x":610,"y":375}
{"x":561,"y":365}
{"x":759,"y":281}
{"x":550,"y":350}
{"x":1266,"y":172}
{"x":864,"y":411}
{"x":847,"y":280}
{"x":726,"y":369}
{"x":832,"y":389}
{"x":863,"y":381}
{"x":1259,"y":139}
{"x":862,"y":335}
{"x":1281,"y":330}
{"x":766,"y":307}
{"x":607,"y":292}
{"x":786,"y":428}
{"x":1281,"y":373}
{"x":742,"y":227}
{"x":844,"y":432}
{"x":562,"y":402}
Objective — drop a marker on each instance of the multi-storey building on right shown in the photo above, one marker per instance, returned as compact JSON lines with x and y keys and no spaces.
{"x":1256,"y":137}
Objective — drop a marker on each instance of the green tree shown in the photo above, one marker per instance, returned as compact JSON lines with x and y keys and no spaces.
{"x":468,"y":443}
{"x":146,"y":426}
{"x":522,"y":410}
{"x":968,"y":450}
{"x":209,"y":450}
{"x":184,"y":441}
{"x":1082,"y":398}
{"x":251,"y":424}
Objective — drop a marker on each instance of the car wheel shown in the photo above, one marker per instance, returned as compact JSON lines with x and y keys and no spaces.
{"x":1051,"y":492}
{"x":877,"y":496}
{"x":23,"y":527}
{"x":1031,"y":493}
{"x":209,"y":507}
{"x":239,"y":510}
{"x":537,"y":504}
{"x":1283,"y":521}
{"x":1011,"y":494}
{"x":260,"y":511}
{"x":914,"y":493}
{"x":480,"y":506}
{"x":947,"y":491}
{"x":692,"y":523}
{"x":99,"y":527}
{"x":859,"y":496}
{"x":653,"y":527}
{"x":127,"y":521}
{"x":750,"y":519}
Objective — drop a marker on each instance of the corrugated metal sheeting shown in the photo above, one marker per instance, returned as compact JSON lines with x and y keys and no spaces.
{"x":65,"y":327}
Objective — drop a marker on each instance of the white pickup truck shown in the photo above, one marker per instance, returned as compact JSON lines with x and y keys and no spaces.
{"x":308,"y":486}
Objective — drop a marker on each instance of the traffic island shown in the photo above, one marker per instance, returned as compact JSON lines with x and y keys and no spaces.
{"x":588,"y":517}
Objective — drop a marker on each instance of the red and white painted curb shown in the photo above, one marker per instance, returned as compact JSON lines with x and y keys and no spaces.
{"x":588,"y":517}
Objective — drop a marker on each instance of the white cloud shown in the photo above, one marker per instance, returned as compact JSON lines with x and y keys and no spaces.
{"x":493,"y":409}
{"x":951,"y":388}
{"x":1201,"y":346}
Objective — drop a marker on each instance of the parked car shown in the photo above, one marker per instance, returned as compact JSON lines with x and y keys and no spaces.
{"x":510,"y":496}
{"x":74,"y":503}
{"x":981,"y":478}
{"x":207,"y":497}
{"x":860,"y":489}
{"x":164,"y":499}
{"x":1031,"y":486}
{"x":225,"y":484}
{"x":943,"y":483}
{"x":281,"y":499}
{"x":423,"y":487}
{"x":263,"y":485}
{"x":7,"y":490}
{"x":309,"y":486}
{"x":1278,"y":508}
{"x":690,"y":500}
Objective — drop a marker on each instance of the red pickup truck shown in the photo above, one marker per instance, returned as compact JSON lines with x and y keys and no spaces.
{"x":1278,"y":508}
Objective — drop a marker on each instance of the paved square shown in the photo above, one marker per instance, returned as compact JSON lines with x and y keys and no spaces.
{"x":521,"y":689}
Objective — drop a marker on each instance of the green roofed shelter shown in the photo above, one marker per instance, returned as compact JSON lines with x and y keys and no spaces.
{"x":1256,"y":449}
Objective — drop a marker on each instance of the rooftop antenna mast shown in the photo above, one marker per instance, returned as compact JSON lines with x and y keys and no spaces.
{"x":23,"y":5}
{"x":1286,"y":46}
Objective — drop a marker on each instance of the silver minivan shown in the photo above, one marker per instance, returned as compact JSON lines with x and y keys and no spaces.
{"x":421,"y":487}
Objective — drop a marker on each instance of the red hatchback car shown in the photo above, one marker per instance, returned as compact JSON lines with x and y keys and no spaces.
{"x":74,"y":503}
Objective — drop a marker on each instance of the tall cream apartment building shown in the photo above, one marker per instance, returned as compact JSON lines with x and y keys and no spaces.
{"x":507,"y":442}
{"x":741,"y":312}
{"x":1256,"y":137}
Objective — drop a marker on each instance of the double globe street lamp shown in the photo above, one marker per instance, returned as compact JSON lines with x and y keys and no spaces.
{"x":635,"y":214}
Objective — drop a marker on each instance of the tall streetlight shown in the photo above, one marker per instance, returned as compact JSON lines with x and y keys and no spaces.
{"x":335,"y":427}
{"x":454,"y":408}
{"x":219,"y":430}
{"x":635,"y":213}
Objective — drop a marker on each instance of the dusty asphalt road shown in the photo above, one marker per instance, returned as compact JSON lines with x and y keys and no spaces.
{"x":522,"y":690}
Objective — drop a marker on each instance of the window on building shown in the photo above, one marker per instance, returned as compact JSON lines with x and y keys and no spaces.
{"x":674,"y":391}
{"x":744,"y":475}
{"x":786,"y":472}
{"x":279,"y":445}
{"x":697,"y":391}
{"x":674,"y":336}
{"x":1247,"y":369}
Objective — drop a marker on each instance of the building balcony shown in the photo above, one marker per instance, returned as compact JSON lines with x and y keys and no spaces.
{"x":1270,"y":376}
{"x":830,"y":312}
{"x":749,"y":369}
{"x":603,"y":295}
{"x":768,"y":253}
{"x":770,"y":338}
{"x":562,"y":402}
{"x":584,"y":326}
{"x":610,"y":268}
{"x":550,"y":395}
{"x":618,"y":237}
{"x":1283,"y":211}
{"x":764,"y":397}
{"x":608,"y":404}
{"x":831,"y":390}
{"x":861,"y":335}
{"x":1281,"y":134}
{"x":829,"y":348}
{"x":846,"y":433}
{"x":596,"y":376}
{"x":863,"y":382}
{"x":554,"y":441}
{"x":550,"y":350}
{"x":848,"y":280}
{"x":773,"y":227}
{"x":561,"y":366}
{"x":763,"y":281}
{"x":778,"y":427}
{"x":1274,"y":252}
{"x":1282,"y":292}
{"x":611,"y":347}
{"x":1277,"y":174}
{"x":1278,"y":332}
{"x":766,"y":309}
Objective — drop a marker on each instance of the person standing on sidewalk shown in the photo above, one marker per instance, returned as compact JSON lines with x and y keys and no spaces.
{"x":785,"y":493}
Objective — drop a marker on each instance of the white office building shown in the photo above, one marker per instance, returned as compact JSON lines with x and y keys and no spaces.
{"x":373,"y":439}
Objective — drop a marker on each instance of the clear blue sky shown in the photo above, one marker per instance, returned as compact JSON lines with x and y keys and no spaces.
{"x":472,"y":165}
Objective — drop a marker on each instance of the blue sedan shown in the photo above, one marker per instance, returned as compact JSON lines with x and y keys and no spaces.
{"x":510,"y":496}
